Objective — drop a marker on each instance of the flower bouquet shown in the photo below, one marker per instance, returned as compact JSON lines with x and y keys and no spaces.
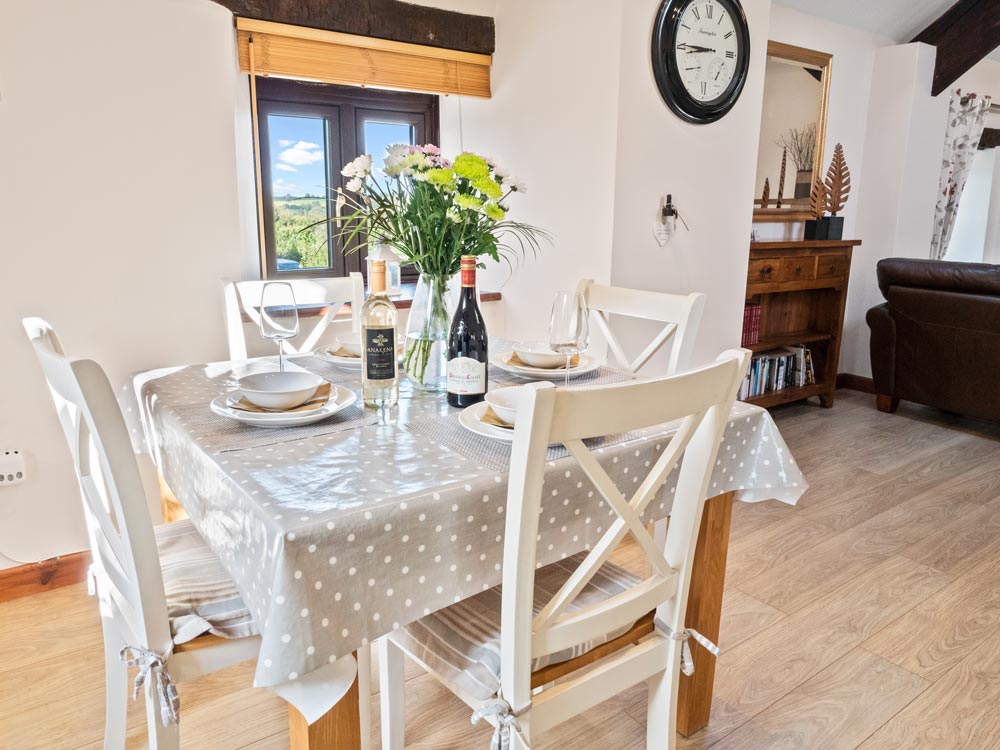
{"x":432,"y":211}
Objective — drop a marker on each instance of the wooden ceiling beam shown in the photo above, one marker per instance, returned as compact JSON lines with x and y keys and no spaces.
{"x":382,"y":19}
{"x":965,"y":34}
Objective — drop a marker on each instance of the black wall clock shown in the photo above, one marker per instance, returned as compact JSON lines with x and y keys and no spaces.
{"x":701,"y":53}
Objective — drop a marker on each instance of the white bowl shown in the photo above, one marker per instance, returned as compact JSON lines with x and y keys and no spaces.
{"x":538,"y":354}
{"x":350,"y":344}
{"x":504,"y":402}
{"x":280,"y":390}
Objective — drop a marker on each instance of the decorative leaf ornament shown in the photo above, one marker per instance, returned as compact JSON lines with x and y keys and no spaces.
{"x":817,"y":198}
{"x":838,"y":182}
{"x":766,"y":196}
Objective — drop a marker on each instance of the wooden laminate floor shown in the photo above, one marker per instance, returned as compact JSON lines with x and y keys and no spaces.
{"x":868,"y":616}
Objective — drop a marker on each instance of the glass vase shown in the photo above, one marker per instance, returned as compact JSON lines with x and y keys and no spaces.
{"x":425,"y":354}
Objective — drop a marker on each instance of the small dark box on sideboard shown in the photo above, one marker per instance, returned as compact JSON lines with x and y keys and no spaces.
{"x":827,"y":228}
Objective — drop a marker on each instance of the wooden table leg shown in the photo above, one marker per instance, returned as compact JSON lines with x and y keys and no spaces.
{"x":338,"y":729}
{"x":708,"y":579}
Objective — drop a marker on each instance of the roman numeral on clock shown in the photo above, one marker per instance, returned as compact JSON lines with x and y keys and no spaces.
{"x":708,"y":11}
{"x":704,"y":88}
{"x":697,"y":15}
{"x":728,"y":35}
{"x":730,"y":54}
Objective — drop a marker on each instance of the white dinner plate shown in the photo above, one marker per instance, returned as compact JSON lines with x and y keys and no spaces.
{"x":471,"y":417}
{"x":587,"y":364}
{"x":348,"y":363}
{"x":340,"y":400}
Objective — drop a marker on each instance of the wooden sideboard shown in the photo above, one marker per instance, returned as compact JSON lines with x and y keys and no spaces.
{"x":802,"y":290}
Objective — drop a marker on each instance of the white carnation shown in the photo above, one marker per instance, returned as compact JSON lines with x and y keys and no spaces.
{"x":394,"y":156}
{"x":360,"y":167}
{"x":355,"y":184}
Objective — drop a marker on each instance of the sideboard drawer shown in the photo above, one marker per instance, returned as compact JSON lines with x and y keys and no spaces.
{"x":763,"y":270}
{"x":832,"y":266}
{"x":799,"y":268}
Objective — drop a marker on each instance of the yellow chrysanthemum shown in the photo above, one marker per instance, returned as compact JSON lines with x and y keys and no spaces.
{"x":442,"y":178}
{"x":493,"y":211}
{"x":490,"y":187}
{"x":471,"y":167}
{"x":469,"y":202}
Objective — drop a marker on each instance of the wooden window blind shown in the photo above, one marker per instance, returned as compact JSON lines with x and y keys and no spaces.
{"x":333,"y":57}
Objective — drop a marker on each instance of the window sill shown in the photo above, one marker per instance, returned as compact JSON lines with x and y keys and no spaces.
{"x":403,"y":301}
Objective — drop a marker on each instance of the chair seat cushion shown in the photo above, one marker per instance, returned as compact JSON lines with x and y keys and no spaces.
{"x":461,"y":643}
{"x":201,"y":597}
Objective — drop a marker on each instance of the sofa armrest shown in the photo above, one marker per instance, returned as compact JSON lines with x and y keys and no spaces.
{"x":883,"y":348}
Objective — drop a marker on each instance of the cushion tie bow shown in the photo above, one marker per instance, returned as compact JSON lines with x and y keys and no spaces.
{"x":506,"y":722}
{"x":153,"y":665}
{"x":687,"y":660}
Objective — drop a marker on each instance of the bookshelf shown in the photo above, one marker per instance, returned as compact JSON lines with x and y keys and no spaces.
{"x":801,"y":288}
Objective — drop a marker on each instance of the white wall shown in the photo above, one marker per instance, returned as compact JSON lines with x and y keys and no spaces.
{"x":117,"y":214}
{"x":709,"y":170}
{"x":553,"y":121}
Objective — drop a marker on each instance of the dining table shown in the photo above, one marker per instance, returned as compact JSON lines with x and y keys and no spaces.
{"x":338,"y":532}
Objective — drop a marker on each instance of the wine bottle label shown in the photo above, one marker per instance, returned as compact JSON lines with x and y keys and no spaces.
{"x":466,"y":376}
{"x":380,"y":351}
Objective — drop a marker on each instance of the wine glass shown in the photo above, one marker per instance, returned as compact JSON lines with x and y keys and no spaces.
{"x":279,"y":317}
{"x":569,"y":329}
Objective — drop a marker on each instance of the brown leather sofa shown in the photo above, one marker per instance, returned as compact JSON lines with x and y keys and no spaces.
{"x":936,"y":340}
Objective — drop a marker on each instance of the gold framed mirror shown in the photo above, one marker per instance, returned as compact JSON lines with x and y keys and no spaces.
{"x":793,"y":131}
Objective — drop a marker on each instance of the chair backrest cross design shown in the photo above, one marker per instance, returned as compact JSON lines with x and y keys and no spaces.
{"x":699,"y":402}
{"x":126,"y":562}
{"x":243,"y":298}
{"x":681,"y":315}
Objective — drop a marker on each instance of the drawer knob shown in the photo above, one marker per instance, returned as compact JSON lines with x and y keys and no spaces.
{"x":765,"y":271}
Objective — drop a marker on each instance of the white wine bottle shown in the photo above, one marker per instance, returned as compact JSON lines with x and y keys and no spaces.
{"x":379,"y":372}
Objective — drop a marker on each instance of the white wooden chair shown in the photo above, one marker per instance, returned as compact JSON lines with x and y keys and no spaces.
{"x":680,"y":313}
{"x":243,"y":297}
{"x":501,"y":650}
{"x":166,"y":602}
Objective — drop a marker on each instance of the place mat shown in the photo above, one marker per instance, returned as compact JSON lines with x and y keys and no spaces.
{"x":601,"y":376}
{"x":493,"y":454}
{"x":218,"y":434}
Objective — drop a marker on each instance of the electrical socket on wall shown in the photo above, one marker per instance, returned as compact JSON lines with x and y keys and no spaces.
{"x":12,"y":469}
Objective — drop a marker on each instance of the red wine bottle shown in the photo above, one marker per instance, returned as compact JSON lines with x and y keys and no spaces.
{"x":468,"y":344}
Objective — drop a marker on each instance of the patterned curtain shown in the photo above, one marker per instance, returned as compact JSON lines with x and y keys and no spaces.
{"x":966,"y":120}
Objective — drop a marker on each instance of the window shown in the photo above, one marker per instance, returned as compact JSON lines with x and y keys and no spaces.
{"x":308,"y":131}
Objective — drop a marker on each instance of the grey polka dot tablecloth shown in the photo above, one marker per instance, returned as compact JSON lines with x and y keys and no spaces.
{"x":335,"y":539}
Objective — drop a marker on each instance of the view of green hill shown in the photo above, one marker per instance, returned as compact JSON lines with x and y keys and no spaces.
{"x":291,"y":216}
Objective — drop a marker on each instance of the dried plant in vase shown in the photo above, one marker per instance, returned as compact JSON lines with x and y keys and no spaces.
{"x":766,"y":195}
{"x":801,"y":145}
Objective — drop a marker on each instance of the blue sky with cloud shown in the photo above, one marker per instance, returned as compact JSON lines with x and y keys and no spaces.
{"x":298,"y":152}
{"x":298,"y":159}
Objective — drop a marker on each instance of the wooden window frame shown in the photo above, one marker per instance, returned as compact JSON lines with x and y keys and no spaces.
{"x":348,"y":107}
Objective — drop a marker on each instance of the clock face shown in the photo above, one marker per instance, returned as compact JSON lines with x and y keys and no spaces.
{"x":700,"y":56}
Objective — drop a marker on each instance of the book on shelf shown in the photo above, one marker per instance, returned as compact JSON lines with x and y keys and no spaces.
{"x":769,"y":372}
{"x":751,"y":324}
